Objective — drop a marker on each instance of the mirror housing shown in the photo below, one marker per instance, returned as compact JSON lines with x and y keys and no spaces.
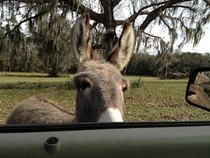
{"x":198,"y":88}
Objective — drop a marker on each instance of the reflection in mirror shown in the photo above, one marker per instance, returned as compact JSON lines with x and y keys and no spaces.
{"x":201,"y":78}
{"x":198,"y":92}
{"x":99,"y":84}
{"x":198,"y":96}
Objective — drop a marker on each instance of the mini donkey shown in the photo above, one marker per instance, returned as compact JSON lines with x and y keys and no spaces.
{"x":99,"y":84}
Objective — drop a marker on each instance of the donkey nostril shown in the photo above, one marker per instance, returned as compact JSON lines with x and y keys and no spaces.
{"x":124,"y":89}
{"x":191,"y":93}
{"x":84,"y":85}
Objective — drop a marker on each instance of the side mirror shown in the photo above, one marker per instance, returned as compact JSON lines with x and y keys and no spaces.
{"x":198,"y":88}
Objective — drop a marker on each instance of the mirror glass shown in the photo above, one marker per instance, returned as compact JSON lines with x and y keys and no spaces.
{"x":198,"y":90}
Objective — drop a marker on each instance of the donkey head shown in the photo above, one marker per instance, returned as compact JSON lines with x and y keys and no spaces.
{"x":99,"y":84}
{"x":197,"y":95}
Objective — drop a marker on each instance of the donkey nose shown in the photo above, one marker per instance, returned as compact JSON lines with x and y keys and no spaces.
{"x":111,"y":115}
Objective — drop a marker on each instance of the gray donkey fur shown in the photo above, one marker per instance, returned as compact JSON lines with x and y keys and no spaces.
{"x":35,"y":110}
{"x":99,"y":84}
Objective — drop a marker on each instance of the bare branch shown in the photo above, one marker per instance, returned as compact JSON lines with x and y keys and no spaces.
{"x":207,"y":2}
{"x":177,"y":19}
{"x":152,"y":15}
{"x":134,"y":16}
{"x":21,"y":22}
{"x":74,"y":6}
{"x":108,"y":12}
{"x":94,"y":25}
{"x":99,"y":46}
{"x":151,"y":35}
{"x":30,"y":1}
{"x":80,"y":8}
{"x":120,"y":22}
{"x":116,"y":2}
{"x":182,"y":6}
{"x":169,"y":28}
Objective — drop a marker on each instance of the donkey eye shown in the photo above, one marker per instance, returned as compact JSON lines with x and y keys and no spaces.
{"x":84,"y":85}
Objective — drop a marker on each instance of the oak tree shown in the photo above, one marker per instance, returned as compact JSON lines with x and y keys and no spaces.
{"x":162,"y":26}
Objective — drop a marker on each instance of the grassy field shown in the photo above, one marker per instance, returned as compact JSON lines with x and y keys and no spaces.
{"x":154,"y":100}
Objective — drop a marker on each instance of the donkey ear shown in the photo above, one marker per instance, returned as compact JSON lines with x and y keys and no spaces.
{"x":80,"y":39}
{"x":121,"y":54}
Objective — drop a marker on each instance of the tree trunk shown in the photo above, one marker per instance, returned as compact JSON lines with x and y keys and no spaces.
{"x":54,"y":71}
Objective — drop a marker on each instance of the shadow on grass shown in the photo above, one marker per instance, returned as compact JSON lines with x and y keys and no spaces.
{"x":38,"y":85}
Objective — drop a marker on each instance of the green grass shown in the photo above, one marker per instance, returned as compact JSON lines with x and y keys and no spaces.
{"x":12,"y":77}
{"x":161,"y":101}
{"x":154,"y":100}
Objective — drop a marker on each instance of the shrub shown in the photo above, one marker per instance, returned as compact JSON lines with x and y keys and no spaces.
{"x":137,"y":83}
{"x":9,"y":86}
{"x":69,"y":84}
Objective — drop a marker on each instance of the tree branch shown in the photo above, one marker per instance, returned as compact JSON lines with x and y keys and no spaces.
{"x":120,"y":22}
{"x":116,"y":2}
{"x":21,"y":22}
{"x":99,"y":46}
{"x":182,"y":6}
{"x":94,"y":25}
{"x":152,"y":15}
{"x":151,"y":35}
{"x":30,"y":1}
{"x":207,"y":2}
{"x":108,"y":13}
{"x":80,"y":8}
{"x":172,"y":18}
{"x":169,"y":28}
{"x":74,"y":6}
{"x":134,"y":16}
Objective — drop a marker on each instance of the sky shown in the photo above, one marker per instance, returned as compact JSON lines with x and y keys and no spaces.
{"x":203,"y":46}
